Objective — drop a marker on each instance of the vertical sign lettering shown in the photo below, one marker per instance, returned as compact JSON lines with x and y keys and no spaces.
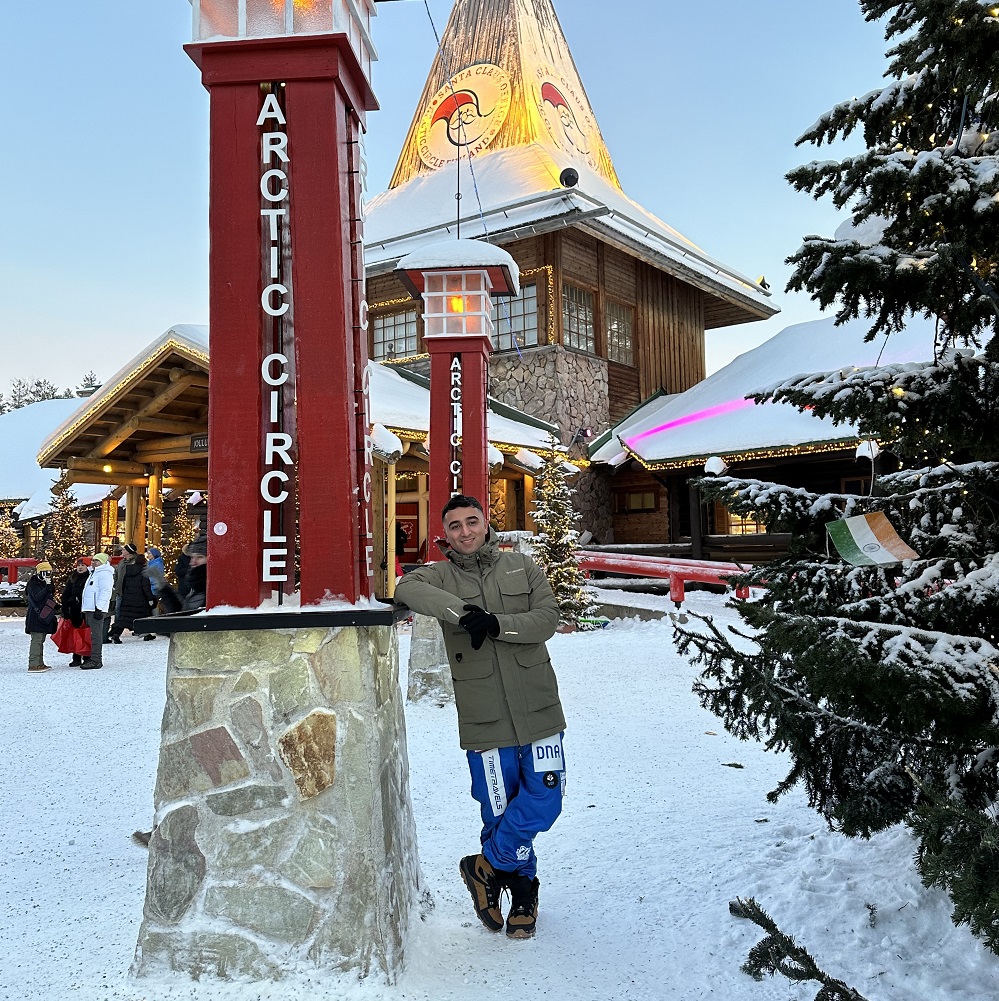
{"x":455,"y":469}
{"x":277,"y":482}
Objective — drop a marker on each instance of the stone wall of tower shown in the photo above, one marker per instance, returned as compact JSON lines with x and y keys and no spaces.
{"x":567,"y":388}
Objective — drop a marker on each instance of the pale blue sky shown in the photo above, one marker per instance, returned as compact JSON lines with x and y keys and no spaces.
{"x":105,"y":236}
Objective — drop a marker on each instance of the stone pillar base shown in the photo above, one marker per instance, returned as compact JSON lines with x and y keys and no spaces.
{"x":429,"y":670}
{"x":285,"y":837}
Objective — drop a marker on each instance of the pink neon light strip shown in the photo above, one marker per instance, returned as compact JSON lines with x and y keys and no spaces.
{"x":700,"y":415}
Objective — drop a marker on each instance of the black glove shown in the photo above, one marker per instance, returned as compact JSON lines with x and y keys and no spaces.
{"x":479,"y":623}
{"x":98,"y":615}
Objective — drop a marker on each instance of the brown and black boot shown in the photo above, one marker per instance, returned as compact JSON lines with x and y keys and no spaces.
{"x":523,"y":916}
{"x":484,"y":885}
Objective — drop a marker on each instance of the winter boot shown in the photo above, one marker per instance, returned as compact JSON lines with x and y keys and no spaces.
{"x":484,"y":885}
{"x":89,"y":665}
{"x":76,"y":661}
{"x":523,"y":916}
{"x":38,"y":668}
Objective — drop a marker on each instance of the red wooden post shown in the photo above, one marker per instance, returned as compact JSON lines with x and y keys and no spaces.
{"x":458,"y":379}
{"x":286,"y":417}
{"x":457,"y":279}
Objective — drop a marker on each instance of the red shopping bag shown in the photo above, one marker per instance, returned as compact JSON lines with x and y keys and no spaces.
{"x":72,"y":639}
{"x":63,"y":637}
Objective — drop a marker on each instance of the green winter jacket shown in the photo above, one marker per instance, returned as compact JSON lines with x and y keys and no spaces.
{"x":506,"y":692}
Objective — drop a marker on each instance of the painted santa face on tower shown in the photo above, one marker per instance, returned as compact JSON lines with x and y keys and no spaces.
{"x":562,"y":122}
{"x":465,"y":115}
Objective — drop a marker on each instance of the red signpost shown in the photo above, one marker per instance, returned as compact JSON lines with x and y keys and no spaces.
{"x":457,"y":280}
{"x":289,"y":461}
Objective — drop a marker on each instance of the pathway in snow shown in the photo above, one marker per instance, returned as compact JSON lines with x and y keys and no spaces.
{"x":657,"y":836}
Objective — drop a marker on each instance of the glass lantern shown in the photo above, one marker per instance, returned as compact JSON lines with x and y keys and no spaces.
{"x":219,"y":20}
{"x":457,"y":302}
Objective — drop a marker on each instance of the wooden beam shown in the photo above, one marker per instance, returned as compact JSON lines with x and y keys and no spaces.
{"x":97,"y":466}
{"x":121,"y":482}
{"x":86,"y":476}
{"x":180,"y":442}
{"x":169,"y":455}
{"x":128,"y":427}
{"x":196,"y":379}
{"x":160,"y":425}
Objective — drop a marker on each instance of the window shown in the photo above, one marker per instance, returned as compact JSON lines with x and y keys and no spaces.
{"x":740,"y":525}
{"x":620,"y":347}
{"x":855,"y":485}
{"x":577,"y":319}
{"x":394,"y":335}
{"x":635,"y":501}
{"x":517,"y":320}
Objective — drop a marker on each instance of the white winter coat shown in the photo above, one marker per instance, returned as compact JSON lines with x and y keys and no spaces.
{"x":98,"y":588}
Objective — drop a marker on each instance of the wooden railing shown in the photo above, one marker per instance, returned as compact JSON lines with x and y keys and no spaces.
{"x":677,"y":572}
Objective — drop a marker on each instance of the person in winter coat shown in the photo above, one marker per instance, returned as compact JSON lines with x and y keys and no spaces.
{"x":196,"y":579}
{"x":136,"y":598}
{"x":41,"y":620}
{"x":75,"y":641}
{"x":181,"y":570}
{"x":155,"y":570}
{"x":95,"y":604}
{"x":496,"y":610}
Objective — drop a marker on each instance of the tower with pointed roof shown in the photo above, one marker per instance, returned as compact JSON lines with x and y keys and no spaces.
{"x":614,"y":302}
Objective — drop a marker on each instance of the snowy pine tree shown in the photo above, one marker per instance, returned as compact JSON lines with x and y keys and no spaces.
{"x":10,"y":540}
{"x":557,"y":541}
{"x":27,"y":391}
{"x":65,"y":540}
{"x":89,"y":385}
{"x":882,"y":683}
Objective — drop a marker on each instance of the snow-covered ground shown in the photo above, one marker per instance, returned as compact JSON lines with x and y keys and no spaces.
{"x":657,"y":836}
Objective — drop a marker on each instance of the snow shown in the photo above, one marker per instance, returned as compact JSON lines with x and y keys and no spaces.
{"x":515,"y":189}
{"x":709,"y":418}
{"x":22,"y":432}
{"x":657,"y":836}
{"x":447,"y":255}
{"x":395,"y":402}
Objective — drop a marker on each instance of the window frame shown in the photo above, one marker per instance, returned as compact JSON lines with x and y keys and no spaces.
{"x":391,"y":314}
{"x":594,"y":346}
{"x":511,"y":334}
{"x":609,"y":305}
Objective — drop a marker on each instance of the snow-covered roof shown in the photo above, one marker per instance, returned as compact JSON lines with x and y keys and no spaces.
{"x":502,"y":271}
{"x":714,"y":418}
{"x":396,"y":402}
{"x":521,"y":195}
{"x":40,"y":502}
{"x":22,"y":432}
{"x":402,"y":403}
{"x":186,"y":339}
{"x":514,"y":99}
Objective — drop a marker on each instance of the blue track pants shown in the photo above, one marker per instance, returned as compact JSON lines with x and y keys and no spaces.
{"x":519,"y":791}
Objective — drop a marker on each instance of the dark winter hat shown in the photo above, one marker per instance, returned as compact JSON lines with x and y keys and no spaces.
{"x":131,"y":548}
{"x":197,"y":548}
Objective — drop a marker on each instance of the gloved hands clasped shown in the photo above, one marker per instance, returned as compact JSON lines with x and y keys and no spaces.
{"x":479,"y":623}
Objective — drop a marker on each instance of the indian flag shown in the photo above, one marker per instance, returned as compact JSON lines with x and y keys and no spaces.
{"x":869,"y":540}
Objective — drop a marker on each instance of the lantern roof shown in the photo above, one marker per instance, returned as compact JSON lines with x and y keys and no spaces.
{"x":461,"y":255}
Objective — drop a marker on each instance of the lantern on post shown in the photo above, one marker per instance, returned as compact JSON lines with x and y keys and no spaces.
{"x":290,"y":455}
{"x":457,"y":281}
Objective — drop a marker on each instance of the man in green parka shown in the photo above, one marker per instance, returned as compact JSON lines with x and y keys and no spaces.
{"x":496,"y":610}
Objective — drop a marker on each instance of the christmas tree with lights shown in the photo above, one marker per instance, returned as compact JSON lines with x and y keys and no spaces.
{"x":557,"y":541}
{"x":881,"y":682}
{"x":65,"y":540}
{"x":10,"y":541}
{"x":182,"y":531}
